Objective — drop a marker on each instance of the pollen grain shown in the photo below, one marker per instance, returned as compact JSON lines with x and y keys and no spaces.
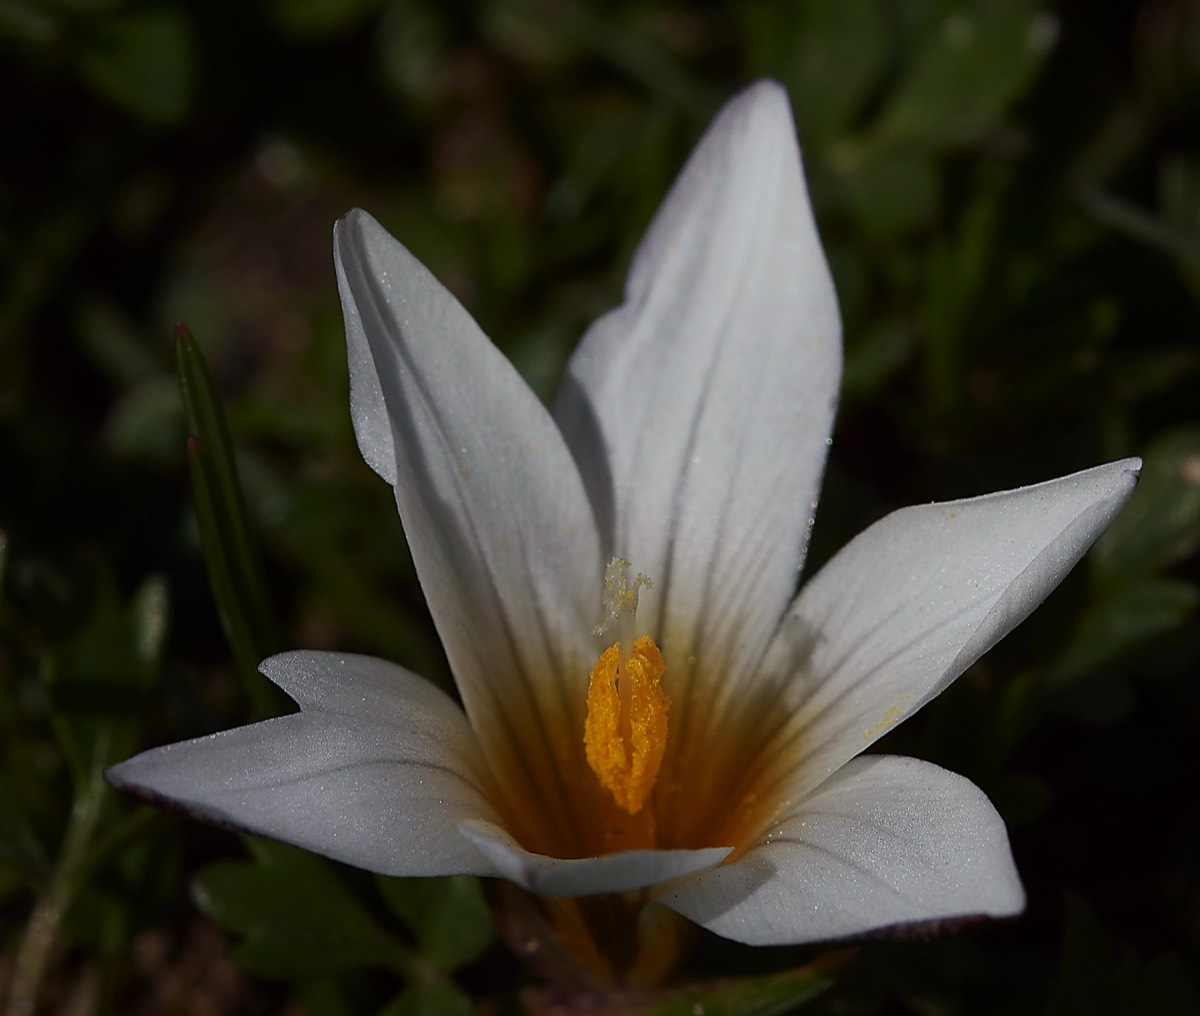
{"x":625,"y":733}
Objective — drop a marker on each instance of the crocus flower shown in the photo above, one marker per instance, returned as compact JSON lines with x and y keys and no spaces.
{"x":649,"y":711}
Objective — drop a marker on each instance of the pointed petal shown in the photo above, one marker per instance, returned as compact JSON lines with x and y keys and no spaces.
{"x":499,"y":525}
{"x":699,"y":409}
{"x":885,"y":841}
{"x":910,"y":603}
{"x":587,"y":876}
{"x":378,"y":770}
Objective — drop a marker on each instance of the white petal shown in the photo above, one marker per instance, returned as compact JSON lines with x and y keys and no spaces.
{"x":886,"y":841}
{"x":499,"y":525}
{"x":699,"y":409}
{"x":378,"y":770}
{"x":588,"y":876}
{"x":910,"y":603}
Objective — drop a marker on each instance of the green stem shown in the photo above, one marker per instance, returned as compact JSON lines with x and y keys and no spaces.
{"x":41,"y":932}
{"x":115,"y":839}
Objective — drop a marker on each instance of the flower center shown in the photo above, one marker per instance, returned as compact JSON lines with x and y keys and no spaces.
{"x":625,"y":733}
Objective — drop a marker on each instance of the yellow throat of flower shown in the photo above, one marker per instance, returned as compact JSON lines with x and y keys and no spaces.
{"x":625,"y":733}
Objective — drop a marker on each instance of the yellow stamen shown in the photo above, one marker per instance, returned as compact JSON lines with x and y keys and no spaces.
{"x":625,"y":733}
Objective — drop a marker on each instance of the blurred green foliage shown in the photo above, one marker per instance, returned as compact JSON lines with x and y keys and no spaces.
{"x":1010,"y":196}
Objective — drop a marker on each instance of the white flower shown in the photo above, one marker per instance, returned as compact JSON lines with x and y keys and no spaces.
{"x":723,"y":776}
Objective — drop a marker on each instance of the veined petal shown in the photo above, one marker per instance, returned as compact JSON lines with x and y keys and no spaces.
{"x":885,"y":841}
{"x":378,"y":770}
{"x":909,"y":604}
{"x":699,"y":409}
{"x":588,"y":876}
{"x":500,"y":528}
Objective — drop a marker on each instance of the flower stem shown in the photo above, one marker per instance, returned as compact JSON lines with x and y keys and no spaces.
{"x":41,"y":932}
